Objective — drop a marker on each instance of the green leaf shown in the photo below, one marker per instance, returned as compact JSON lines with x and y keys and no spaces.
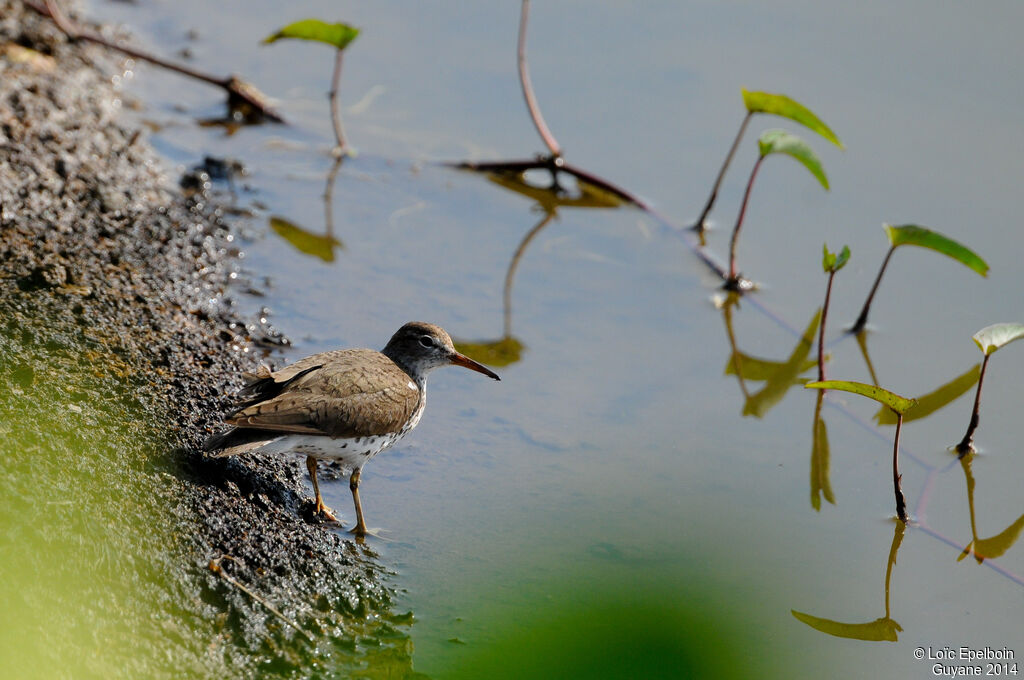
{"x":915,"y":235}
{"x":928,"y":404}
{"x":991,"y":338}
{"x":844,"y":257}
{"x":828,"y":260}
{"x":780,"y":141}
{"x":833,"y":263}
{"x":781,"y":105}
{"x":890,"y":399}
{"x":879,"y":630}
{"x":339,"y":35}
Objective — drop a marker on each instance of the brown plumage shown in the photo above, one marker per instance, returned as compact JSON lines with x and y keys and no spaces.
{"x":344,"y":405}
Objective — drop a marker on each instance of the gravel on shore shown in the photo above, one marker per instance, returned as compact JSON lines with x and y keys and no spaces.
{"x":115,"y":291}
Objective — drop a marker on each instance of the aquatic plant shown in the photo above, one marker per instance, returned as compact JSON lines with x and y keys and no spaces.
{"x":338,"y":35}
{"x":771,"y":142}
{"x":988,"y":340}
{"x":899,"y":405}
{"x":777,"y":105}
{"x":916,"y":235}
{"x":831,"y":263}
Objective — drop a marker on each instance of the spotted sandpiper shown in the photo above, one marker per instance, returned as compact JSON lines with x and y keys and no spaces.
{"x":344,"y":405}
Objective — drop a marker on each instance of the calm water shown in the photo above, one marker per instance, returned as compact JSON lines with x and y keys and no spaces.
{"x":615,"y":456}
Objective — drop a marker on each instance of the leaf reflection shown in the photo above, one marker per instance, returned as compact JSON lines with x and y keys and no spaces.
{"x":778,"y":376}
{"x":984,"y":548}
{"x":883,"y":629}
{"x":317,"y":245}
{"x":508,"y":349}
{"x":305,"y":241}
{"x":820,"y":484}
{"x":934,"y":400}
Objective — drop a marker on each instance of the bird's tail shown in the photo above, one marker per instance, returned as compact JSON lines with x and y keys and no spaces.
{"x":235,"y":441}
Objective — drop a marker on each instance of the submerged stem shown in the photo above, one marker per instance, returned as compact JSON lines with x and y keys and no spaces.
{"x":699,"y":225}
{"x":901,"y":503}
{"x":862,"y":320}
{"x":733,"y":276}
{"x":524,"y":80}
{"x":966,"y":444}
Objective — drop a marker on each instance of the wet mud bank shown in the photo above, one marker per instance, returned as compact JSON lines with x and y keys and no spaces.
{"x":119,"y":348}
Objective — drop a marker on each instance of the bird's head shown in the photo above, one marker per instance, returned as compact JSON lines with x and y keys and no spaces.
{"x":421,"y":347}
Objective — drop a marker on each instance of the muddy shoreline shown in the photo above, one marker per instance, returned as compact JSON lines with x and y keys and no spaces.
{"x":105,"y":262}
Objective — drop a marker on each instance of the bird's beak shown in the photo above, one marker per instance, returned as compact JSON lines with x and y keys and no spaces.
{"x":466,"y":362}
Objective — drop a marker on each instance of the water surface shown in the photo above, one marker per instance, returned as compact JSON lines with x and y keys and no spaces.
{"x":615,"y":454}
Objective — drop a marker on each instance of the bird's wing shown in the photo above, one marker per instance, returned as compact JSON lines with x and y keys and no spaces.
{"x":352,"y":393}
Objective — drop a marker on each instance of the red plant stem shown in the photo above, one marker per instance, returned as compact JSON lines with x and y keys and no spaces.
{"x":821,"y":330}
{"x":967,"y":443}
{"x":862,"y":320}
{"x":339,"y":131}
{"x":524,"y":80}
{"x":733,"y":277}
{"x":234,"y":86}
{"x":52,"y":9}
{"x":901,"y":503}
{"x":699,"y":226}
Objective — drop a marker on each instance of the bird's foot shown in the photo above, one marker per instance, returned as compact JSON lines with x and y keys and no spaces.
{"x":363,"y":532}
{"x":326,"y":513}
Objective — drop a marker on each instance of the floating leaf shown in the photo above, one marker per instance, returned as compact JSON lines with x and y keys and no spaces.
{"x":553,"y":197}
{"x":882,"y":396}
{"x":915,"y":235}
{"x":928,"y":404}
{"x":780,"y":141}
{"x":338,"y":35}
{"x":781,"y":105}
{"x":832,"y":262}
{"x":879,"y":630}
{"x":991,"y":338}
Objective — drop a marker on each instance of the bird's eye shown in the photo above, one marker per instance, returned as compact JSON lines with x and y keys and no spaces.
{"x":426,"y":341}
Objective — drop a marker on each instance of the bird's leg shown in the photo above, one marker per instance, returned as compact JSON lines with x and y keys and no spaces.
{"x":321,"y":508}
{"x":353,"y":484}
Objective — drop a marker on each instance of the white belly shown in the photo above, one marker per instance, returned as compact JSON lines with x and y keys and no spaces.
{"x":350,"y":452}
